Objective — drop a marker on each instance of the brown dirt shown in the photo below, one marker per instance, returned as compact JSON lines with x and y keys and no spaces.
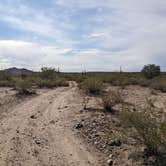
{"x":39,"y":131}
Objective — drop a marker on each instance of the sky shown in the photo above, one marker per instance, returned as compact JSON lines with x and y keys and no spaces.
{"x":83,"y":35}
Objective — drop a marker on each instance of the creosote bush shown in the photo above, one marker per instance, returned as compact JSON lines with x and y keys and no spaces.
{"x":92,"y":85}
{"x":111,"y":99}
{"x":152,"y":133}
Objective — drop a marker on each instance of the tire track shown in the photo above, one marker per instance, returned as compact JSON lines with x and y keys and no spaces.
{"x":39,"y":132}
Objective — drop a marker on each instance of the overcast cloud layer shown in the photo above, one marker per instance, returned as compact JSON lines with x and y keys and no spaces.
{"x":78,"y":35}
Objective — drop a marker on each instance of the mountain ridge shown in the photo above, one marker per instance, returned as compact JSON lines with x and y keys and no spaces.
{"x":15,"y":70}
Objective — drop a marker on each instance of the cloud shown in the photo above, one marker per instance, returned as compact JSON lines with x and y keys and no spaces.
{"x":34,"y":56}
{"x":39,"y":23}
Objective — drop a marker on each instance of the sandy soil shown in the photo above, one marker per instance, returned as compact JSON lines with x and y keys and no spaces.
{"x":39,"y":131}
{"x":7,"y":99}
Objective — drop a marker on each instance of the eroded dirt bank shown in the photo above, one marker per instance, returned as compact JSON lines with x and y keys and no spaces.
{"x":38,"y":132}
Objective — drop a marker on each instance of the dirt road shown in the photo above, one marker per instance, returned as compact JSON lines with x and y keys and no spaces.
{"x":38,"y":132}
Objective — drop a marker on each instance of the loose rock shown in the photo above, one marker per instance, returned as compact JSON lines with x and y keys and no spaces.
{"x":110,"y":162}
{"x":115,"y":143}
{"x":33,"y":117}
{"x":79,"y":125}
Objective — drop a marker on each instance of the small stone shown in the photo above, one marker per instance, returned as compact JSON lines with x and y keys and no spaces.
{"x":100,"y":133}
{"x":79,"y":125}
{"x":33,"y":117}
{"x":52,"y":122}
{"x":115,"y":143}
{"x":110,"y":162}
{"x":95,"y":142}
{"x":81,"y":111}
{"x":104,"y":146}
{"x":94,"y":121}
{"x":93,"y":124}
{"x":38,"y":142}
{"x":110,"y":156}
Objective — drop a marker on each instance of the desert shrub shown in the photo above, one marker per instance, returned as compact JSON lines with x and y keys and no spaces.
{"x":111,"y":99}
{"x":5,"y":79}
{"x":151,"y":71}
{"x":24,"y":87}
{"x":6,"y":83}
{"x":5,"y":76}
{"x":144,"y":82}
{"x":92,"y":85}
{"x":152,"y":133}
{"x":45,"y":83}
{"x":80,"y":79}
{"x":61,"y":82}
{"x":48,"y":73}
{"x":122,"y":79}
{"x":114,"y":79}
{"x":161,"y":159}
{"x":159,"y":84}
{"x":51,"y":83}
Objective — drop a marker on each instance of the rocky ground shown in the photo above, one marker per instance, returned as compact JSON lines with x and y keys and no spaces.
{"x":105,"y":131}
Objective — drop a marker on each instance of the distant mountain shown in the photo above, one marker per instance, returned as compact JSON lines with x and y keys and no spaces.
{"x":18,"y":71}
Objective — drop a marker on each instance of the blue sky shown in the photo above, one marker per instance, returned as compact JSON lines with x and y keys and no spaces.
{"x":78,"y":35}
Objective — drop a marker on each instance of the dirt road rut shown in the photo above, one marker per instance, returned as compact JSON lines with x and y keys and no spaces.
{"x":39,"y":132}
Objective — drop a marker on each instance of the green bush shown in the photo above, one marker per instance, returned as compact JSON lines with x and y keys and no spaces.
{"x":92,"y":85}
{"x":152,"y":133}
{"x":151,"y":71}
{"x":111,"y":99}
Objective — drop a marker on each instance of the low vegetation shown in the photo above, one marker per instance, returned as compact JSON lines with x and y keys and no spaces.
{"x":152,"y":133}
{"x":24,"y":87}
{"x":51,"y":83}
{"x":25,"y":84}
{"x":92,"y":86}
{"x":111,"y":99}
{"x":92,"y":82}
{"x":159,"y":84}
{"x":150,"y":76}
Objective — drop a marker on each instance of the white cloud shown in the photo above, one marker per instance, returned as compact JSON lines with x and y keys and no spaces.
{"x":36,"y":21}
{"x":34,"y":56}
